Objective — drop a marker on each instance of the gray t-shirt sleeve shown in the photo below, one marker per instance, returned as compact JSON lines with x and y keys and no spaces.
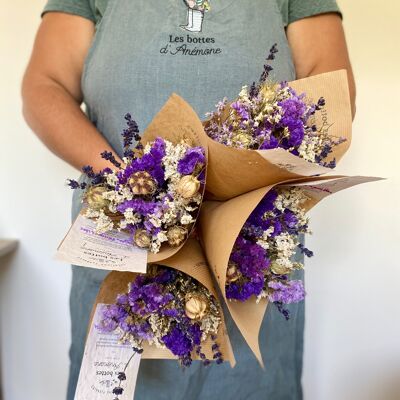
{"x":299,"y":9}
{"x":82,"y":8}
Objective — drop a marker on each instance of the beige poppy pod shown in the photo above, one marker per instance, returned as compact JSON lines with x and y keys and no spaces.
{"x":196,"y":306}
{"x":94,"y":198}
{"x":176,"y":235}
{"x":279,"y":269}
{"x":142,"y":183}
{"x":232,"y":273}
{"x":188,"y":186}
{"x":142,"y":239}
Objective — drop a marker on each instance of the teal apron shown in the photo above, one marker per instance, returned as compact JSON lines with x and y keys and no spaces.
{"x":143,"y":51}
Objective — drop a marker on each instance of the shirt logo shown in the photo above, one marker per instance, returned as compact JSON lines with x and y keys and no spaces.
{"x":196,"y":10}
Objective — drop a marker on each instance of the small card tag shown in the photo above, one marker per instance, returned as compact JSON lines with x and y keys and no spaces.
{"x":285,"y":160}
{"x":111,"y":250}
{"x":104,"y":358}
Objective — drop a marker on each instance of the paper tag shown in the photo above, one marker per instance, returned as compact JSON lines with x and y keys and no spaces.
{"x":296,"y":165}
{"x":322,"y":188}
{"x":111,"y":250}
{"x":104,"y":358}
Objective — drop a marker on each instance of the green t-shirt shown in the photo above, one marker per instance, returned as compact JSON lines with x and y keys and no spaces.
{"x":291,"y":10}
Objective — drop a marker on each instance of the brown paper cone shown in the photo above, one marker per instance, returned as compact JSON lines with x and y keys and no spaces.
{"x":232,"y":172}
{"x":189,"y":260}
{"x":220,"y":225}
{"x":176,"y":121}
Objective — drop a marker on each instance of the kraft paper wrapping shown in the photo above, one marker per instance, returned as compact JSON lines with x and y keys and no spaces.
{"x":220,"y":224}
{"x":189,"y":260}
{"x":176,"y":121}
{"x":232,"y":172}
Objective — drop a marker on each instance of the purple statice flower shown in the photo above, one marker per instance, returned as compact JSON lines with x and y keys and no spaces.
{"x":139,"y":206}
{"x":290,"y":218}
{"x":178,"y":342}
{"x":266,"y":204}
{"x":193,"y":158}
{"x":243,"y":291}
{"x":112,"y":315}
{"x":286,"y":293}
{"x":241,"y":110}
{"x":252,"y":264}
{"x":294,"y":109}
{"x":150,"y":162}
{"x":250,"y":257}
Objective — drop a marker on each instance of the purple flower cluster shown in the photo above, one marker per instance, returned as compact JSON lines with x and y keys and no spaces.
{"x":192,"y":159}
{"x":160,"y":295}
{"x":253,"y":264}
{"x":151,"y":162}
{"x":146,"y":197}
{"x":269,"y":116}
{"x":250,"y":271}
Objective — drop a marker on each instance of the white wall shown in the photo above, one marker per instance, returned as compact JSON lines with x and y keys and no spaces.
{"x":352,"y":348}
{"x":34,"y":207}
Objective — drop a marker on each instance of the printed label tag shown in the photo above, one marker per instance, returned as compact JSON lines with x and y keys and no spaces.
{"x":285,"y":160}
{"x":111,"y":250}
{"x":104,"y":358}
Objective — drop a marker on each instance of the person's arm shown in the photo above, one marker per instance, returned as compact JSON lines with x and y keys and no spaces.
{"x":51,"y":91}
{"x":318,"y":45}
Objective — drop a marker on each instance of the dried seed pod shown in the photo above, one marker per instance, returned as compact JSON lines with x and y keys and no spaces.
{"x":232,"y":273}
{"x":142,"y":183}
{"x":142,"y":239}
{"x":176,"y":235}
{"x":196,"y":306}
{"x":279,"y":269}
{"x":188,"y":186}
{"x":268,"y":92}
{"x":94,"y":198}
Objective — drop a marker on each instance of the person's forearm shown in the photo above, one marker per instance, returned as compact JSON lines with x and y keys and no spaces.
{"x":318,"y":45}
{"x":57,"y":119}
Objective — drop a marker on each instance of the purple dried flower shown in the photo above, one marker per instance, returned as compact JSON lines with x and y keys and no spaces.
{"x":109,"y":156}
{"x":179,"y":343}
{"x":139,"y":206}
{"x":129,"y":134}
{"x":150,"y":162}
{"x":286,"y":293}
{"x":160,"y":294}
{"x":193,"y":158}
{"x":241,"y":110}
{"x":305,"y":251}
{"x":73,"y":184}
